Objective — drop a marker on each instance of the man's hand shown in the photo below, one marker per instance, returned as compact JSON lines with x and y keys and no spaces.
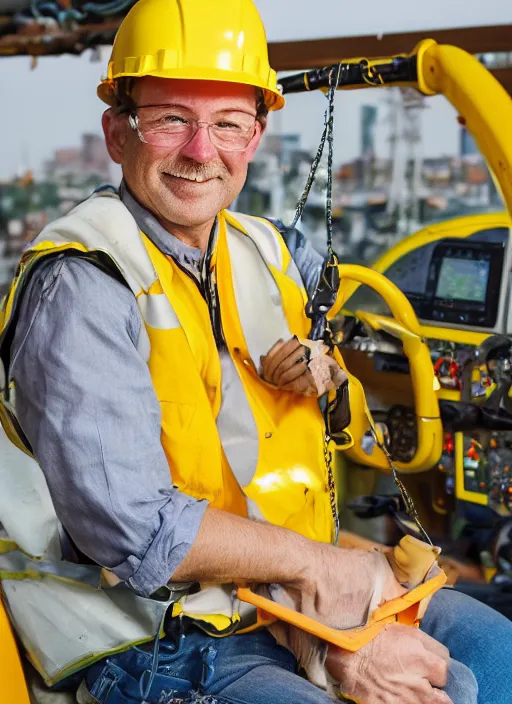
{"x":303,"y":367}
{"x":286,"y":366}
{"x":335,"y":596}
{"x":402,"y":664}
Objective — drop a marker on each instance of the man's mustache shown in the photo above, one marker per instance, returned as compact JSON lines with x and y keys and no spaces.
{"x":196,"y":172}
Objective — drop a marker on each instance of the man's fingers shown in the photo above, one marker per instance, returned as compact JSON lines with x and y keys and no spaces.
{"x":284,"y":366}
{"x":266,"y":359}
{"x":440,"y":697}
{"x":273,"y":360}
{"x":423,"y":692}
{"x":283,"y":348}
{"x":290,"y":368}
{"x":434,"y":646}
{"x":437,"y":670}
{"x":275,"y":347}
{"x":426,"y":694}
{"x":290,"y":375}
{"x":305,"y":384}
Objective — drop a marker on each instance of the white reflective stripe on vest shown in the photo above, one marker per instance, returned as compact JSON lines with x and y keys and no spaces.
{"x":103,"y":223}
{"x":41,"y":607}
{"x":66,"y":624}
{"x":265,"y":237}
{"x":157,"y":311}
{"x":26,"y":509}
{"x":257,"y":296}
{"x":236,"y":425}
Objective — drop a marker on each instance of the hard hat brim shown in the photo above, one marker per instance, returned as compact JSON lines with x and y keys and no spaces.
{"x":273,"y":99}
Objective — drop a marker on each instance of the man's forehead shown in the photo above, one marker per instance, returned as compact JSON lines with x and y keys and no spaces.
{"x":219,"y":94}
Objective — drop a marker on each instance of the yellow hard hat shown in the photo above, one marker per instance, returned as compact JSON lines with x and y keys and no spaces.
{"x":209,"y":40}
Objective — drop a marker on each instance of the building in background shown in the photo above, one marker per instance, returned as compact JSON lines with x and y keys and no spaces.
{"x":376,"y":201}
{"x":468,"y":146}
{"x":369,"y":114}
{"x":27,"y":204}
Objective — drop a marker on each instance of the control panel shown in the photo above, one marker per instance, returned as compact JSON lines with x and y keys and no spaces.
{"x":482,"y":464}
{"x":463,"y":285}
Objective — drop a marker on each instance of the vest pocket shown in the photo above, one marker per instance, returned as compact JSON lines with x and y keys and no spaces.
{"x":177,"y":418}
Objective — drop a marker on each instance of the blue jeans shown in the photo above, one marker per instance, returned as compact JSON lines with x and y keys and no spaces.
{"x":254,"y":669}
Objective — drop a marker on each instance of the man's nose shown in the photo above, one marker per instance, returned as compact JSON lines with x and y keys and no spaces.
{"x":200,"y":147}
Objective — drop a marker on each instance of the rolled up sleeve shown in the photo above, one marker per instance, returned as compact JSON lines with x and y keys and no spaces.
{"x":86,"y":403}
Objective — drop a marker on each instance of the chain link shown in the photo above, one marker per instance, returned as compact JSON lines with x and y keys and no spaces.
{"x":327,"y":135}
{"x":331,"y":486}
{"x":408,"y":502}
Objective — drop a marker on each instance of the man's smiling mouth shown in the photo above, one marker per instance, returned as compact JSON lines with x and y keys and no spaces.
{"x":198,"y":178}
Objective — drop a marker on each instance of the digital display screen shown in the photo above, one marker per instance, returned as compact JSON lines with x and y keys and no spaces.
{"x":463,"y":279}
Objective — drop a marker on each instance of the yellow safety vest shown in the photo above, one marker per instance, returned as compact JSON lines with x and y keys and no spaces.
{"x":261,"y":300}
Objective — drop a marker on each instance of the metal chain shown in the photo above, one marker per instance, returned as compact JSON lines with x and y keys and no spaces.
{"x":333,"y":86}
{"x":331,"y":485}
{"x":408,"y":502}
{"x":327,"y":134}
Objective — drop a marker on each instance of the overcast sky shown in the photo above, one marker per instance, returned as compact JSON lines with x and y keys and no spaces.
{"x":287,"y":20}
{"x":52,"y":105}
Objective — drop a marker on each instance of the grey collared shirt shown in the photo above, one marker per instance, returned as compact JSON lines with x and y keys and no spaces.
{"x":86,"y":403}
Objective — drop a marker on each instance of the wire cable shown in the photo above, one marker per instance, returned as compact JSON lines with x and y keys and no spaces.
{"x":327,"y":134}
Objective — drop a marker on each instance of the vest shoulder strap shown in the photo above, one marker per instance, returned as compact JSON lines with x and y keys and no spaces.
{"x":104,"y":223}
{"x":265,"y":236}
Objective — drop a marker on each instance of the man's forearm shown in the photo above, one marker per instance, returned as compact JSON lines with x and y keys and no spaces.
{"x":230,"y":548}
{"x":332,"y":584}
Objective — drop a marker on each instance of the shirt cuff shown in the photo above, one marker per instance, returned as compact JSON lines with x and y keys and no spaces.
{"x":168,"y":547}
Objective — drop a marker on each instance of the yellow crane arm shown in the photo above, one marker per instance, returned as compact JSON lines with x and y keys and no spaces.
{"x":483,"y":104}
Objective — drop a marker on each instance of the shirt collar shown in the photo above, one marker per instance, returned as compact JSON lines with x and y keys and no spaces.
{"x":184,"y":254}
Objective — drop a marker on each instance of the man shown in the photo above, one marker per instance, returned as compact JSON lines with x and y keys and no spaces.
{"x":159,"y":383}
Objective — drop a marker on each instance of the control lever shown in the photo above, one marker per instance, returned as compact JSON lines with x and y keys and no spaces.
{"x":500,"y":395}
{"x":376,"y":506}
{"x":380,"y":505}
{"x":458,"y":416}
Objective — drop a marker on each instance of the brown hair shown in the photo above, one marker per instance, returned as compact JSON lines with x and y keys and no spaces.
{"x":122,"y":93}
{"x":124,"y":102}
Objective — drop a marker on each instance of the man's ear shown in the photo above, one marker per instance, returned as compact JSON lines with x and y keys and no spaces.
{"x":114,"y":129}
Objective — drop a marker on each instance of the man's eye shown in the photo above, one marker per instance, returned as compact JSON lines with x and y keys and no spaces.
{"x":229,"y":126}
{"x":175,"y":119}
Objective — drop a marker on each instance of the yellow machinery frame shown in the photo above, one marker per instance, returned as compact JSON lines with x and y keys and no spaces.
{"x":486,"y":109}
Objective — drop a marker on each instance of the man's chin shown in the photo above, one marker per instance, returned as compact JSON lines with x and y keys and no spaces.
{"x":190,"y":212}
